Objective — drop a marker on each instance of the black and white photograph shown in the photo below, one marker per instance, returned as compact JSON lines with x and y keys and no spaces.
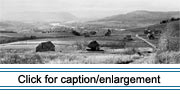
{"x":89,"y":32}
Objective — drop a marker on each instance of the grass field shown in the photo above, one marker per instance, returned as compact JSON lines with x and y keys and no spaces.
{"x":68,"y":51}
{"x":19,"y":48}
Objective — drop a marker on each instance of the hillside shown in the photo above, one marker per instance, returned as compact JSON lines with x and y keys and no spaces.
{"x":39,"y":16}
{"x":137,"y":18}
{"x":16,"y":26}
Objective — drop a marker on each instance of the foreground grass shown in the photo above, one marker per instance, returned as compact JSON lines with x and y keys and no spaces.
{"x":88,"y":58}
{"x":168,"y":58}
{"x":93,"y":59}
{"x":110,"y":56}
{"x":28,"y":57}
{"x":160,"y":58}
{"x":66,"y":59}
{"x":20,"y":59}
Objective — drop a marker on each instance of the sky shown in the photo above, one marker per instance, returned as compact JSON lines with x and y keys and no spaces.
{"x":88,"y":8}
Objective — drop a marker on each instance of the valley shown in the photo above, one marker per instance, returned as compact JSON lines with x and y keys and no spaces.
{"x":18,"y":40}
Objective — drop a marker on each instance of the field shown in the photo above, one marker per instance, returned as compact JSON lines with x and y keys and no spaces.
{"x":72,"y":50}
{"x":20,"y":48}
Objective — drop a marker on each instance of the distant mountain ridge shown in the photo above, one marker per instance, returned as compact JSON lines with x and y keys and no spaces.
{"x":39,"y":16}
{"x":138,"y":18}
{"x":142,"y":15}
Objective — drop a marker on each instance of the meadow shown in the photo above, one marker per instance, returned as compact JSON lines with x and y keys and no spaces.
{"x":71,"y":50}
{"x":20,"y":48}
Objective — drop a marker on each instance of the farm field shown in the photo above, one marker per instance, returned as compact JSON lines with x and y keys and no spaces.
{"x":72,"y":50}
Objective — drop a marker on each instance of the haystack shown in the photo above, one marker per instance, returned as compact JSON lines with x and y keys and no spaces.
{"x":94,"y":46}
{"x":45,"y":46}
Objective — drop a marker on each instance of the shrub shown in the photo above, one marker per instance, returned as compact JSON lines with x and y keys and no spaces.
{"x":93,"y":32}
{"x":170,"y":40}
{"x":131,"y":51}
{"x":33,"y":37}
{"x":167,"y":58}
{"x":108,"y":33}
{"x":76,"y":33}
{"x":86,"y":35}
{"x":21,"y":59}
{"x":81,"y":45}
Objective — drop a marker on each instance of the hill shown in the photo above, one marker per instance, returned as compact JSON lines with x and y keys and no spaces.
{"x":39,"y":16}
{"x":136,"y":19}
{"x":16,"y":26}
